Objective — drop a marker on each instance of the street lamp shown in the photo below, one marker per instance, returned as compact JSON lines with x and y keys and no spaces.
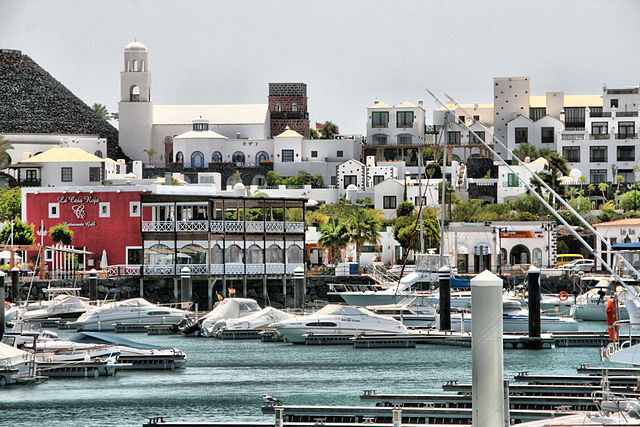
{"x":548,"y":226}
{"x":499,"y":254}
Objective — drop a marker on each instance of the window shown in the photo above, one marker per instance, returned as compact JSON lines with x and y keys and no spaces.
{"x":598,"y":154}
{"x":94,"y":174}
{"x":333,"y":180}
{"x":574,"y":117}
{"x":416,"y":200}
{"x":66,"y":174}
{"x":473,"y":139}
{"x":599,"y":128}
{"x":572,"y":154}
{"x":179,"y":157}
{"x":48,"y":255}
{"x":627,"y":175}
{"x":404,"y":119}
{"x":626,"y":153}
{"x":216,"y":157}
{"x":54,"y":210}
{"x":462,"y":119}
{"x":278,"y":108}
{"x":314,"y":154}
{"x":339,"y":154}
{"x":31,"y":175}
{"x":377,"y":179}
{"x":134,"y":208}
{"x":404,"y":139}
{"x":512,"y":180}
{"x":388,"y":202}
{"x":453,"y":137}
{"x":238,"y":157}
{"x":598,"y":176}
{"x":476,"y":118}
{"x":294,"y":106}
{"x":380,"y":119}
{"x":536,"y":113}
{"x":198,"y":127}
{"x":547,"y":135}
{"x":98,"y":153}
{"x":104,"y":210}
{"x":380,"y":140}
{"x":350,"y":179}
{"x":614,"y":103}
{"x":287,"y":155}
{"x":134,"y":256}
{"x":626,"y":130}
{"x":522,"y":135}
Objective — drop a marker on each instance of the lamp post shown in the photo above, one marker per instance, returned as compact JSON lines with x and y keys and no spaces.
{"x":547,"y":227}
{"x":499,"y":230}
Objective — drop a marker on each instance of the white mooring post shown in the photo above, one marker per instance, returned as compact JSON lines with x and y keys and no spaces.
{"x":486,"y":350}
{"x":397,"y":416}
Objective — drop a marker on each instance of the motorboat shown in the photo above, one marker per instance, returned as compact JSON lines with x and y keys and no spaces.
{"x":47,"y":346}
{"x":11,"y":311}
{"x":61,"y":306}
{"x":253,"y":321}
{"x":343,"y":320}
{"x":591,"y":304}
{"x":416,"y":311}
{"x":227,"y":309}
{"x":132,"y":311}
{"x":15,"y":364}
{"x":515,"y":320}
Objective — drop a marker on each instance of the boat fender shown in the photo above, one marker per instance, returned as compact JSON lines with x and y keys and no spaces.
{"x":563,"y":295}
{"x":611,"y":320}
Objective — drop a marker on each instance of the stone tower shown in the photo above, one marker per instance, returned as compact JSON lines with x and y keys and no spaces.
{"x":288,"y":107}
{"x":135,"y":107}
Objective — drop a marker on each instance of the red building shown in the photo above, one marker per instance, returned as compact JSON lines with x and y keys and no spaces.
{"x":101,"y":218}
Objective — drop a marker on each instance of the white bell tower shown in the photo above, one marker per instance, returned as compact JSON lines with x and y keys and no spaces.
{"x":135,"y":108}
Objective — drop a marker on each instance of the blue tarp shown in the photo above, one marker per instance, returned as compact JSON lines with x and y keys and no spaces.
{"x":100,"y":338}
{"x":460,"y":283}
{"x":626,"y":246}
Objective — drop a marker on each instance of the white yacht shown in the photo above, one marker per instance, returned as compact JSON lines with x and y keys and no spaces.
{"x":515,"y":320}
{"x":336,"y":319}
{"x":227,"y":309}
{"x":416,"y":311}
{"x":591,"y":305}
{"x":255,"y":320}
{"x":132,"y":311}
{"x":15,"y":364}
{"x":61,"y":306}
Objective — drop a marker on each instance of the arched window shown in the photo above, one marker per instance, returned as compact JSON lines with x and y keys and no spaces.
{"x":274,"y":254}
{"x":197,"y":159}
{"x":143,"y":65}
{"x":233,"y":254}
{"x":192,"y":254}
{"x":159,"y":254}
{"x":98,"y":153}
{"x":179,"y":157}
{"x":262,"y":156}
{"x":238,"y":157}
{"x":537,"y":257}
{"x":294,"y":254}
{"x":278,"y":108}
{"x":128,"y":65}
{"x":216,"y":157}
{"x":216,"y":254}
{"x":254,"y":255}
{"x":134,"y":93}
{"x":168,"y":139}
{"x":294,"y":106}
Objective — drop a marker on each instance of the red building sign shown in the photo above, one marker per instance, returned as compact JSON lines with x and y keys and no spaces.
{"x":101,"y":218}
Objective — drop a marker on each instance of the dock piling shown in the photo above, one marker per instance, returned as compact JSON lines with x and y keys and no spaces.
{"x":185,"y":282}
{"x":2,"y":321}
{"x":533,"y":278}
{"x":15,"y":285}
{"x":93,"y":284}
{"x":445,"y":298}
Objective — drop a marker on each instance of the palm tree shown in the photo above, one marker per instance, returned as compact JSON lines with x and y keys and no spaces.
{"x":603,"y":186}
{"x":329,"y":130}
{"x":526,"y":150}
{"x":363,"y":228}
{"x":556,"y":167}
{"x":150,"y":152}
{"x":101,"y":111}
{"x":5,"y":158}
{"x":334,"y":237}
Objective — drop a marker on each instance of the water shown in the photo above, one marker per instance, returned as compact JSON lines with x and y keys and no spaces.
{"x":224,"y":380}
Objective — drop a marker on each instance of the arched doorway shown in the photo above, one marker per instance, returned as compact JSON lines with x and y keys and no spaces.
{"x":197,"y":159}
{"x":238,"y":157}
{"x":519,"y":255}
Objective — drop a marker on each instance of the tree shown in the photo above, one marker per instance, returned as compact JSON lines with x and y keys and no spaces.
{"x":526,"y":150}
{"x":329,"y":130}
{"x":556,"y":167}
{"x":237,"y":178}
{"x":630,"y":201}
{"x":5,"y":158}
{"x":334,"y":235}
{"x":363,"y":228}
{"x":10,"y":203}
{"x":526,"y":203}
{"x":406,"y":230}
{"x":405,"y":209}
{"x":22,"y":233}
{"x":101,"y":111}
{"x":150,"y":152}
{"x":313,"y":133}
{"x":602,"y":187}
{"x":61,"y":234}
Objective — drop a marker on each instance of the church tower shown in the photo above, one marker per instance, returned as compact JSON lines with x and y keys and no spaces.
{"x":135,"y":108}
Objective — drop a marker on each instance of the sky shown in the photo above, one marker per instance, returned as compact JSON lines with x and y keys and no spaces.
{"x":348,"y":52}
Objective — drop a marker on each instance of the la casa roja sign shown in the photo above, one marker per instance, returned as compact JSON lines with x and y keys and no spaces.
{"x":78,"y":209}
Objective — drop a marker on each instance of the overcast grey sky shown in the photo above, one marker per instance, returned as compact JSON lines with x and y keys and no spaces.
{"x":348,"y":52}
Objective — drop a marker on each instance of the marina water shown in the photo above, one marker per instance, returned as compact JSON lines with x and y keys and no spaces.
{"x":224,"y":380}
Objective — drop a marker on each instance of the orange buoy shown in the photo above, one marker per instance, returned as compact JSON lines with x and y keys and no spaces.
{"x":563,"y":295}
{"x":612,"y":317}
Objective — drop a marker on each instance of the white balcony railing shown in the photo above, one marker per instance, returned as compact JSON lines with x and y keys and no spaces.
{"x":274,"y":227}
{"x":295,"y":227}
{"x":192,"y":225}
{"x":235,"y":268}
{"x":217,"y":225}
{"x":292,"y":267}
{"x":123,"y":270}
{"x":159,"y":270}
{"x":255,"y":226}
{"x":195,"y":269}
{"x":217,"y":268}
{"x":275,"y":268}
{"x":255,"y":269}
{"x":236,"y":226}
{"x":158,"y":226}
{"x":202,"y":269}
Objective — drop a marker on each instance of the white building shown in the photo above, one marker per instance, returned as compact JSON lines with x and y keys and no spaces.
{"x":146,"y":126}
{"x":24,"y":146}
{"x":623,"y":235}
{"x":475,"y":246}
{"x":511,"y":185}
{"x":401,"y":124}
{"x":389,"y":193}
{"x":363,"y":176}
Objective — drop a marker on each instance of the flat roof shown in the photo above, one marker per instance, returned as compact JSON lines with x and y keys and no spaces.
{"x":188,"y":198}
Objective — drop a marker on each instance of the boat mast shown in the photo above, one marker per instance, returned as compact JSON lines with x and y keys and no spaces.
{"x":443,"y":189}
{"x":420,"y":204}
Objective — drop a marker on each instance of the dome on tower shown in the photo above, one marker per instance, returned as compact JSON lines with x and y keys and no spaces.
{"x":135,"y":46}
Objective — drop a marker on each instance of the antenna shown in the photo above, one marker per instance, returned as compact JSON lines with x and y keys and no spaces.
{"x":544,"y":202}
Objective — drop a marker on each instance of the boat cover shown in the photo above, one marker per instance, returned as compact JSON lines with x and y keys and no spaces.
{"x":231,"y":308}
{"x":256,"y":320}
{"x":460,"y":283}
{"x":101,"y":338}
{"x":10,"y":356}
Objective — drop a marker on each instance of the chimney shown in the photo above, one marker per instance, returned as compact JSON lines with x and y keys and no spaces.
{"x":420,"y":102}
{"x":376,"y":101}
{"x":237,"y":135}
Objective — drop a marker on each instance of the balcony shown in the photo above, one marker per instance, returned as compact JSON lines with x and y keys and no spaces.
{"x":626,"y":114}
{"x":276,"y":115}
{"x":237,"y":269}
{"x":600,"y":114}
{"x":626,"y":135}
{"x":28,"y":183}
{"x":219,"y":226}
{"x":600,"y":136}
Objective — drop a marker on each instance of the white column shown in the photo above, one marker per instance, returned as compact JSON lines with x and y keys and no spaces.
{"x":486,"y":350}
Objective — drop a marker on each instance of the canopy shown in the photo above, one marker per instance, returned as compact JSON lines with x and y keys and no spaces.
{"x":626,"y":246}
{"x":460,"y":283}
{"x":100,"y":338}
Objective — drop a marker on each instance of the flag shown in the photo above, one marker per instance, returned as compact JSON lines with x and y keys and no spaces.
{"x":219,"y":296}
{"x":232,"y":291}
{"x":318,"y":127}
